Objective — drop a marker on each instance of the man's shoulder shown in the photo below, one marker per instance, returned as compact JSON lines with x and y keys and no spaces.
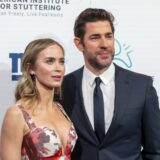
{"x":75,"y":73}
{"x":132,"y":74}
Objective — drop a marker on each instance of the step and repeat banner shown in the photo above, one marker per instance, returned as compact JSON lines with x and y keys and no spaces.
{"x":137,"y":33}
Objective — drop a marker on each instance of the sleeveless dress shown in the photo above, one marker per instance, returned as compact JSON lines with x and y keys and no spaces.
{"x":42,"y":143}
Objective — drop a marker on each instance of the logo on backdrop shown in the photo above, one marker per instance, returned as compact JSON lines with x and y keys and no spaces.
{"x":16,"y":59}
{"x":33,"y":8}
{"x":122,"y":54}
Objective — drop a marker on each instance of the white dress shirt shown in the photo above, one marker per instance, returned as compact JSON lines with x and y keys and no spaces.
{"x":108,"y":90}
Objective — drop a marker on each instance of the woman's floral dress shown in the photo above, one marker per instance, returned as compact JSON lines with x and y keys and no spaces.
{"x":42,"y":143}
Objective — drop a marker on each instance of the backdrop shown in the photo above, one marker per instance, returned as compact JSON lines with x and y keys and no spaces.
{"x":137,"y":34}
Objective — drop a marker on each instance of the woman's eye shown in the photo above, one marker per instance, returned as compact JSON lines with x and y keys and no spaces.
{"x":62,"y":61}
{"x":49,"y":61}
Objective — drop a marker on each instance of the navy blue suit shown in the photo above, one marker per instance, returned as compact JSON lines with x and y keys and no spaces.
{"x":134,"y":133}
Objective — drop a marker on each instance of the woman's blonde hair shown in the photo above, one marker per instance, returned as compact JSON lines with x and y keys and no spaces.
{"x":26,"y":89}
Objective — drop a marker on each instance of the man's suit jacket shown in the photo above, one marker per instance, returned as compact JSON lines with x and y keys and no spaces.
{"x":134,"y":133}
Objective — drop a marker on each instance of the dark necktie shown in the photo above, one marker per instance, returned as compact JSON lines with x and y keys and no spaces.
{"x":98,"y":110}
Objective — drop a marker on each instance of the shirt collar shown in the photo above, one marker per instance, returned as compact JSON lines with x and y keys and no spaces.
{"x":106,"y":76}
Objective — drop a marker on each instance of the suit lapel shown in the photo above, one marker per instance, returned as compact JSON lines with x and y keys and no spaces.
{"x":79,"y":104}
{"x":122,"y":88}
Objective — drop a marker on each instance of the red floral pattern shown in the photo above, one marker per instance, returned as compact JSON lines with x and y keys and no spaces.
{"x":42,"y":143}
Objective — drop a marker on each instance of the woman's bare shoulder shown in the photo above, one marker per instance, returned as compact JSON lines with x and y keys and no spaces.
{"x":13,"y":114}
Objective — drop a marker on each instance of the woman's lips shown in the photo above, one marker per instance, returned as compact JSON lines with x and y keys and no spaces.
{"x":56,"y":78}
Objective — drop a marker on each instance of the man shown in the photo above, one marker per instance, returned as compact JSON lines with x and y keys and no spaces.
{"x":119,"y":118}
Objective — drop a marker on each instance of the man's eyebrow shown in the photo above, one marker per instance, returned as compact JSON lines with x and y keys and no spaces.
{"x":94,"y":35}
{"x":97,"y":34}
{"x":109,"y":33}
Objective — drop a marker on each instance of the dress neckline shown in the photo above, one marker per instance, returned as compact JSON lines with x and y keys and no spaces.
{"x":32,"y":127}
{"x":63,"y":149}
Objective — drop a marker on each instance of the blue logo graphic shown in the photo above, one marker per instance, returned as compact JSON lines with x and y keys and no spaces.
{"x":16,"y":59}
{"x":123,"y":54}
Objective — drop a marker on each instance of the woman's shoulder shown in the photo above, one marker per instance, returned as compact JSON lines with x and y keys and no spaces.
{"x":13,"y":114}
{"x":13,"y":125}
{"x":14,"y":110}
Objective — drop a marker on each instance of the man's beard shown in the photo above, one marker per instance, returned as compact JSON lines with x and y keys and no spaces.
{"x":95,"y":64}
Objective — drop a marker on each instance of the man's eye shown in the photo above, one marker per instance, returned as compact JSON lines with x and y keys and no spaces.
{"x":109,"y":36}
{"x":94,"y":38}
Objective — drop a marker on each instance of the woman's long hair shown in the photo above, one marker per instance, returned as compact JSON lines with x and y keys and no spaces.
{"x":26,"y":88}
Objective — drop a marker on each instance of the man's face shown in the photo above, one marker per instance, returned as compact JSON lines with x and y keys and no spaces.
{"x":97,"y":46}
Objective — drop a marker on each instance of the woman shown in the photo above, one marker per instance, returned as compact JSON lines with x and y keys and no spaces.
{"x":36,"y":127}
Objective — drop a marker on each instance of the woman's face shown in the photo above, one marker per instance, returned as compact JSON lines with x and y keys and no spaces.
{"x":49,"y":67}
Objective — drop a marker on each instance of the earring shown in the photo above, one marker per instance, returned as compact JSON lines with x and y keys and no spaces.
{"x":33,"y":77}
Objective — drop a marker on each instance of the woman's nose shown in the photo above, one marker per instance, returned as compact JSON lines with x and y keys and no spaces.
{"x":58,"y":66}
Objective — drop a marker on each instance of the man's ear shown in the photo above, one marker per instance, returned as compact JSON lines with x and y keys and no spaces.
{"x":78,"y":43}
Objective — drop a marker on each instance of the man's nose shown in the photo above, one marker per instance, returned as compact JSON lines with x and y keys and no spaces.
{"x":103,"y":42}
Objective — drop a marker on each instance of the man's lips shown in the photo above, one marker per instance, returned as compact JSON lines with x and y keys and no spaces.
{"x":103,"y":53}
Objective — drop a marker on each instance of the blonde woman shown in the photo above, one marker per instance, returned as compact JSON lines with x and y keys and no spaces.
{"x":36,"y":126}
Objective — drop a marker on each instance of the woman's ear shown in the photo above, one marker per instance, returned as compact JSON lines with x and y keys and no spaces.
{"x":78,"y":43}
{"x":30,"y":69}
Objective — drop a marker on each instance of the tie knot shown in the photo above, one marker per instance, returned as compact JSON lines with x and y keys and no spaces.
{"x":98,"y":81}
